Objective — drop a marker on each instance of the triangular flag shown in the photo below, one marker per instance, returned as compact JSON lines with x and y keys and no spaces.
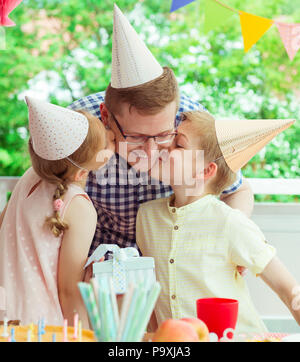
{"x":239,"y":140}
{"x":6,"y":7}
{"x":177,"y":4}
{"x":253,"y":28}
{"x":290,"y":36}
{"x":215,"y":14}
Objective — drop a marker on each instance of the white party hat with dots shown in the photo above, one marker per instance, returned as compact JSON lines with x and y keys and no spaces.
{"x":132,"y":62}
{"x":56,"y":132}
{"x":240,"y":140}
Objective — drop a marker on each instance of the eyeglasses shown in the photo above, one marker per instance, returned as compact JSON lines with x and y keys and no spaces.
{"x":140,"y":140}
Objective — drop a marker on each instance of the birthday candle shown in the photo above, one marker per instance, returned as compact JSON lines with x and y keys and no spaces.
{"x":75,"y":335}
{"x":29,"y":335}
{"x":43,"y":326}
{"x":12,"y":335}
{"x":65,"y":338}
{"x":80,"y":331}
{"x":39,"y":337}
{"x":53,"y":337}
{"x":5,"y":332}
{"x":39,"y":331}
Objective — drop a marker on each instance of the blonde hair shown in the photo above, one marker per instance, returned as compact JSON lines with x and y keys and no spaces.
{"x":204,"y":126}
{"x":58,"y":172}
{"x":148,"y":98}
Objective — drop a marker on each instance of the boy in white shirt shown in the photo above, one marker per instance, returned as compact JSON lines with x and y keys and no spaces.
{"x":198,"y":241}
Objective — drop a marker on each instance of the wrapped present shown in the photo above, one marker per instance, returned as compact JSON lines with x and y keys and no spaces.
{"x":125,"y":266}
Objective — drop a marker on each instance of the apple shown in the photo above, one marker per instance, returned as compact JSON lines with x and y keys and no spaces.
{"x":200,"y":327}
{"x":174,"y":330}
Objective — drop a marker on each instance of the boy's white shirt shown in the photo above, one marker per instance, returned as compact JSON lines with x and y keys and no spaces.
{"x":210,"y":240}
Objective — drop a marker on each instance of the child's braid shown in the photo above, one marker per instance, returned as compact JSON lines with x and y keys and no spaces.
{"x":55,"y":223}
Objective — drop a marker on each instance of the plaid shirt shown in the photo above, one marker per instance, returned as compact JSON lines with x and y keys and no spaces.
{"x":117,"y":195}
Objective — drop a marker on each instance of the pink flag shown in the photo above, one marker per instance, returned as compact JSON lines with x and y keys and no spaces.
{"x":6,"y":7}
{"x":290,"y":36}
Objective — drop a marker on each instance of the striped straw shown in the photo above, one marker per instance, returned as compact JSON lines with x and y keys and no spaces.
{"x":110,"y":317}
{"x":124,"y":310}
{"x":132,"y":309}
{"x":103,"y":311}
{"x":148,"y":309}
{"x":138,"y":315}
{"x":114,"y":303}
{"x":95,"y":285}
{"x":88,"y":297}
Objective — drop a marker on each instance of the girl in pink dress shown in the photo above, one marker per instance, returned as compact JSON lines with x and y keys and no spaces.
{"x":48,"y":225}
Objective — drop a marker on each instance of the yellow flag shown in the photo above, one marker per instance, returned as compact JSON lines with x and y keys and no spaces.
{"x":253,"y":28}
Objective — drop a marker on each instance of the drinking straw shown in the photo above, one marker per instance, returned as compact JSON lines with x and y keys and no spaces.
{"x":150,"y":304}
{"x":95,"y":285}
{"x":138,"y":315}
{"x":88,"y":297}
{"x":130,"y":314}
{"x":112,"y":329}
{"x":114,"y":303}
{"x":124,"y":309}
{"x":103,"y":311}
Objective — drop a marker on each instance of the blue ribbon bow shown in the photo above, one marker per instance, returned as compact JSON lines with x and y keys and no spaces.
{"x":118,"y":268}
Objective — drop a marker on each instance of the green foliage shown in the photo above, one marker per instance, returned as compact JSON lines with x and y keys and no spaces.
{"x":62,"y":49}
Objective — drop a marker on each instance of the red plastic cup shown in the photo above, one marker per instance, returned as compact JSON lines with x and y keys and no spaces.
{"x":218,"y":314}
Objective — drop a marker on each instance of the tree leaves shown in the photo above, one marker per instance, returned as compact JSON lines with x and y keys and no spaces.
{"x":70,"y":41}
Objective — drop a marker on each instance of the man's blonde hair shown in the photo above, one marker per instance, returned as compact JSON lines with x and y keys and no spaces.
{"x":204,"y":125}
{"x":148,"y":98}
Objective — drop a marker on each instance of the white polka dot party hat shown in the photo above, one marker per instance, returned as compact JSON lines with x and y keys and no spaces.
{"x":56,"y":132}
{"x":240,"y":140}
{"x":132,"y":62}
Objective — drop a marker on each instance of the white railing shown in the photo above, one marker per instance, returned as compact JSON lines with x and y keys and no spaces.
{"x":280,"y":223}
{"x":267,"y":186}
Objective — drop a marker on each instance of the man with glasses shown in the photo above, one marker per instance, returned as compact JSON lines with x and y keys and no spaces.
{"x":142,"y":106}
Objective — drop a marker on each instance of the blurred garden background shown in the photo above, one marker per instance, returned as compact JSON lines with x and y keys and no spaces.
{"x":60,"y":51}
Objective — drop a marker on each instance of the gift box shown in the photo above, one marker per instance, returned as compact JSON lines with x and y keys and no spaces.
{"x":126,"y":266}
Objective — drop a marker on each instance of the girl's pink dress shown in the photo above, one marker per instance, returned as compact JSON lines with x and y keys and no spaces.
{"x":29,"y":252}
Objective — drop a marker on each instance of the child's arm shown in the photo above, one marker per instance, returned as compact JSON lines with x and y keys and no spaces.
{"x":283,"y":283}
{"x":82,"y":219}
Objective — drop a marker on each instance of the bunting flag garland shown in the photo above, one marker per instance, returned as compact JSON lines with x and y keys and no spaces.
{"x":290,"y":36}
{"x":253,"y":27}
{"x":177,"y":4}
{"x":6,"y":7}
{"x":215,"y":14}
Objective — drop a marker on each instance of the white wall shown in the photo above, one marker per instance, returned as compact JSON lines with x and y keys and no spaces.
{"x":281,"y":226}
